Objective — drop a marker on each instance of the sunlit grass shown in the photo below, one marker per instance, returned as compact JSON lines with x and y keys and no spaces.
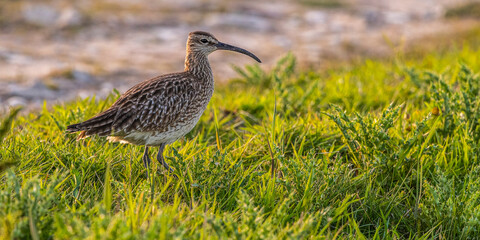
{"x":381,"y":149}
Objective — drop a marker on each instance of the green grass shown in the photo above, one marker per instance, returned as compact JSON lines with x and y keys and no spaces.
{"x":465,"y":10}
{"x":378,"y":150}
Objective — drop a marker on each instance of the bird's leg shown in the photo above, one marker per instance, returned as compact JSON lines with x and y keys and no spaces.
{"x":146,"y":159}
{"x":161,"y":160}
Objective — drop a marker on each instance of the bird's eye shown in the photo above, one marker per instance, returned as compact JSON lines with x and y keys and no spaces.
{"x":203,"y":40}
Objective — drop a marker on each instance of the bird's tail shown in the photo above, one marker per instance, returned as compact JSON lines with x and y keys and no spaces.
{"x":101,"y":125}
{"x":75,"y":128}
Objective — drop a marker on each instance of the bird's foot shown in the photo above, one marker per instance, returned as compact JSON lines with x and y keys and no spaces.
{"x":169,"y":170}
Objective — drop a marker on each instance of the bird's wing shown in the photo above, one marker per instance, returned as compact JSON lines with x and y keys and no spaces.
{"x":154,"y":104}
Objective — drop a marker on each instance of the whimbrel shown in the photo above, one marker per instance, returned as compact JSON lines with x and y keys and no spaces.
{"x":158,"y":111}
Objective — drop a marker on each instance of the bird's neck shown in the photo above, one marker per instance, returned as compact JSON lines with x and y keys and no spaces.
{"x":197,"y":64}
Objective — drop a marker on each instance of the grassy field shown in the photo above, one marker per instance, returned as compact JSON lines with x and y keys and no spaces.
{"x":385,"y":149}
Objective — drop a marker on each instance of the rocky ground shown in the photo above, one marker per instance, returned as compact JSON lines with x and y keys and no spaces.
{"x":57,"y":51}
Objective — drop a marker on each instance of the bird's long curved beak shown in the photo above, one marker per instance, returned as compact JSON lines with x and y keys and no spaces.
{"x":224,"y":46}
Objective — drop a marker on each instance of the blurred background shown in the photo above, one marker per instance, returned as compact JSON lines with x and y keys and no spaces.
{"x":58,"y":50}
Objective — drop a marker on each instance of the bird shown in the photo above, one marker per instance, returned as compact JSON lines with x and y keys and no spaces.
{"x":160,"y":110}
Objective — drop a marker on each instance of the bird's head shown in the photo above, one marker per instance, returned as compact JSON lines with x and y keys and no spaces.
{"x":206,"y":43}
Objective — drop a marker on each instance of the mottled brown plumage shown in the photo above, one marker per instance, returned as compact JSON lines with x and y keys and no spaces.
{"x":158,"y":111}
